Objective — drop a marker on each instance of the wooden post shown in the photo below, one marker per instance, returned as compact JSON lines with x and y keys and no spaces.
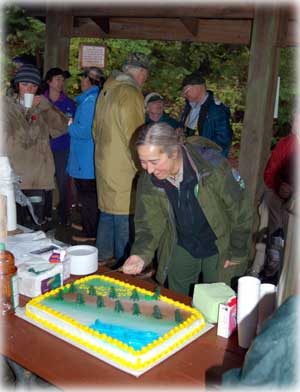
{"x":260,"y":99}
{"x":57,"y":44}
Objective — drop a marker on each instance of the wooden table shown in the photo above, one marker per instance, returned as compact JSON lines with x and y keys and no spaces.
{"x":199,"y":364}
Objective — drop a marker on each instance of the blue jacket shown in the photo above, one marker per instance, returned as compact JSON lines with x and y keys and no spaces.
{"x":216,"y":125}
{"x":81,"y":157}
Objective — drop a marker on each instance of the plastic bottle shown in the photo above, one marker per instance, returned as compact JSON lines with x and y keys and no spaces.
{"x":9,"y":296}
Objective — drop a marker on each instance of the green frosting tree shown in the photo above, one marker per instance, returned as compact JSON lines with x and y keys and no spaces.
{"x":178,"y":316}
{"x":156,"y":312}
{"x":136,"y":309}
{"x":92,"y":290}
{"x":112,"y":293}
{"x":157,"y":292}
{"x":79,"y":299}
{"x":118,"y":306}
{"x":60,"y":295}
{"x":100,"y":302}
{"x":72,"y":288}
{"x":55,"y":282}
{"x":135,"y":295}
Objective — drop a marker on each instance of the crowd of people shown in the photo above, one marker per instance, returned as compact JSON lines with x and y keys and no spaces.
{"x":151,"y":187}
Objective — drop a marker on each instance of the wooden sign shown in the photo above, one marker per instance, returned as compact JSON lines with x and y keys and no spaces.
{"x":92,"y":56}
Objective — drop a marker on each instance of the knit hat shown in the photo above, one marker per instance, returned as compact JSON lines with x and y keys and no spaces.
{"x":137,"y":59}
{"x":28,"y":73}
{"x":93,"y":73}
{"x":152,"y":97}
{"x":194,"y":78}
{"x":55,"y":72}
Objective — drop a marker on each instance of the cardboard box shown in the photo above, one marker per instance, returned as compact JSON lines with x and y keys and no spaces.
{"x":227,"y":318}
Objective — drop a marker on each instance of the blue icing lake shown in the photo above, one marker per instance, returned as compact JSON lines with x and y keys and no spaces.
{"x":134,"y":338}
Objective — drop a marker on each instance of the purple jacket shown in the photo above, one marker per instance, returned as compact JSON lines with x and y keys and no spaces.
{"x":67,"y":106}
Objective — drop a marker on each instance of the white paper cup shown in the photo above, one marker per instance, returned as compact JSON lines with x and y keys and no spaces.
{"x":84,"y":259}
{"x":247,"y":309}
{"x":267,"y":303}
{"x":28,"y":99}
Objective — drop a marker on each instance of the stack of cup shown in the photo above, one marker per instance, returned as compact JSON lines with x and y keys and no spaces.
{"x":247,"y":309}
{"x":256,"y":302}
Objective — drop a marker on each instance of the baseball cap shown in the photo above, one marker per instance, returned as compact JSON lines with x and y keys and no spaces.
{"x":93,"y":73}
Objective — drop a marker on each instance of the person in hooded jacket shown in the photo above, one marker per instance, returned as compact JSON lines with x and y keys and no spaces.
{"x":119,"y":111}
{"x":81,"y":158}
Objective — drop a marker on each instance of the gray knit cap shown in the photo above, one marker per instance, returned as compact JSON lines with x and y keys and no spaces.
{"x":28,"y":73}
{"x":138,"y":59}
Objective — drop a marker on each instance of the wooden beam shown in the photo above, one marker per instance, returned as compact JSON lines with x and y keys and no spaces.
{"x":58,"y":29}
{"x":260,"y":100}
{"x":138,"y":10}
{"x":209,"y":30}
{"x":191,"y":24}
{"x":283,"y":27}
{"x":292,"y":37}
{"x":103,"y":23}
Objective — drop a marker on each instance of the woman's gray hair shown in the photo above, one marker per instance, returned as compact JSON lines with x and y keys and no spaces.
{"x":159,"y":134}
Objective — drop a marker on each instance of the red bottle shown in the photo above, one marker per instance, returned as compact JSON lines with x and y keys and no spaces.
{"x":8,"y":282}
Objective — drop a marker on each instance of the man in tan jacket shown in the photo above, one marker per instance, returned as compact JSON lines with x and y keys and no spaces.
{"x":119,"y":111}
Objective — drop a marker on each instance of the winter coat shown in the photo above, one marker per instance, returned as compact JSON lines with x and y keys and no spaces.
{"x":280,"y":166}
{"x":224,"y":203}
{"x":119,"y":111}
{"x":216,"y":126}
{"x":81,"y":156}
{"x":26,"y":140}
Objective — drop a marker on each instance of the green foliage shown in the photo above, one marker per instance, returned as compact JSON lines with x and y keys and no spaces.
{"x":22,"y":35}
{"x":224,"y":66}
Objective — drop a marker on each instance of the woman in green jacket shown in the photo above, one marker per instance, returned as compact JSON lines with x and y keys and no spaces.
{"x":191,"y":209}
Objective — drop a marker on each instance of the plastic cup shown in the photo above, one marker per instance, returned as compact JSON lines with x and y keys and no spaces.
{"x":267,"y":303}
{"x":28,"y":99}
{"x":247,"y":309}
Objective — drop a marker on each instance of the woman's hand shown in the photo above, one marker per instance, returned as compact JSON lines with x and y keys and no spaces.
{"x":36,"y":100}
{"x":133,"y":265}
{"x":229,"y":263}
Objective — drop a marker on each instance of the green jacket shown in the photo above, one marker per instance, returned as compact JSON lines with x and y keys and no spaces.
{"x":224,"y":203}
{"x":119,"y":111}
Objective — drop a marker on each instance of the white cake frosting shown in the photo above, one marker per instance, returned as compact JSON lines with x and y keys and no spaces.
{"x":112,"y":350}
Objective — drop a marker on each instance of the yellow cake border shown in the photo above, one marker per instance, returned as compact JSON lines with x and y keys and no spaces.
{"x":139,"y":365}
